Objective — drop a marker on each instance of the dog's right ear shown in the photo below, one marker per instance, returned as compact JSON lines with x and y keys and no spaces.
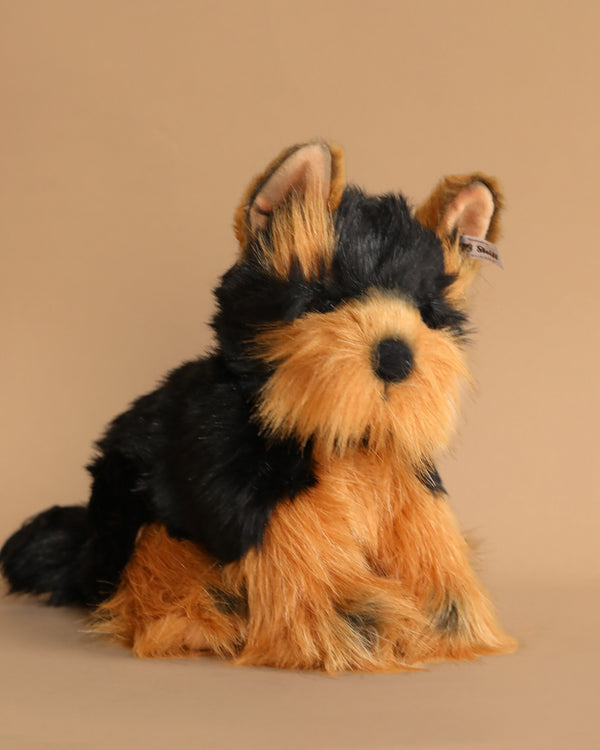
{"x":312,"y":172}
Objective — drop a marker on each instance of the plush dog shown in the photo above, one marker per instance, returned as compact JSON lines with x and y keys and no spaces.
{"x":276,"y":502}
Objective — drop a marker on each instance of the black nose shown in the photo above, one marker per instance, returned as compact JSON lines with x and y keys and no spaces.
{"x":392,"y":360}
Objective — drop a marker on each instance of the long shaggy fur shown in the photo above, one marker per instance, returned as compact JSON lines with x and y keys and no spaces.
{"x":367,"y":573}
{"x":276,"y":502}
{"x":320,"y":361}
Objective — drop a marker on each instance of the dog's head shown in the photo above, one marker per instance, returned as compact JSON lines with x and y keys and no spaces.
{"x":344,"y":316}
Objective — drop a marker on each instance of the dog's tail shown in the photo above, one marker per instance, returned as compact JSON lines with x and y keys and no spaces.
{"x":46,"y":555}
{"x":76,"y":554}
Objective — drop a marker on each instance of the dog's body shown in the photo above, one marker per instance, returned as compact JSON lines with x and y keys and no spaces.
{"x":277,"y":502}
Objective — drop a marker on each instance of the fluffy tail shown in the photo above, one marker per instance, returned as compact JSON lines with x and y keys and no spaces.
{"x":46,"y":556}
{"x":75,"y":554}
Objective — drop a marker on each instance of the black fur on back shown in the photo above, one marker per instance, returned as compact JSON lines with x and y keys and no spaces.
{"x":189,"y":454}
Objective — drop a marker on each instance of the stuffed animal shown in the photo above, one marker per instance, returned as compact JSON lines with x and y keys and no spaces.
{"x":276,"y":502}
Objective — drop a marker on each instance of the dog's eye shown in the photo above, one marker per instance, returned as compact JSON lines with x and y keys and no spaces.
{"x":438,"y":315}
{"x":430,"y":315}
{"x":323,"y":305}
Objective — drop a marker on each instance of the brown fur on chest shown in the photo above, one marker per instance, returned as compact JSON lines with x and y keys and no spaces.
{"x":365,"y":571}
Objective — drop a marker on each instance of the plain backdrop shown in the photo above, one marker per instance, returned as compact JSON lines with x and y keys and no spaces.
{"x":129,"y":130}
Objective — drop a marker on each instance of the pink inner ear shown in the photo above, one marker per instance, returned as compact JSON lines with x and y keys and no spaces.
{"x":307,"y":168}
{"x":470,"y":212}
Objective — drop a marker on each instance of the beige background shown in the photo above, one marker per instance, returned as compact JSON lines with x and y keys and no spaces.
{"x":129,"y":130}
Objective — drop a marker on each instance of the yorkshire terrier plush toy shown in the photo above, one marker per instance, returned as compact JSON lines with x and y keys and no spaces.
{"x":276,"y":502}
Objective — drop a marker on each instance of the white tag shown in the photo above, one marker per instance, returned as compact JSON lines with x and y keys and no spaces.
{"x":479,"y":248}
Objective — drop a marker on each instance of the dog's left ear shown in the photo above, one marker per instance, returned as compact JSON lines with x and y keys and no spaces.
{"x":464,"y":206}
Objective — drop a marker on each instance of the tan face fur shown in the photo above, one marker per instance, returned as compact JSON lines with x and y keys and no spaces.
{"x":324,"y":386}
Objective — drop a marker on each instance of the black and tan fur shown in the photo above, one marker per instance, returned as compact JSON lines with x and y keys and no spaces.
{"x":276,"y":502}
